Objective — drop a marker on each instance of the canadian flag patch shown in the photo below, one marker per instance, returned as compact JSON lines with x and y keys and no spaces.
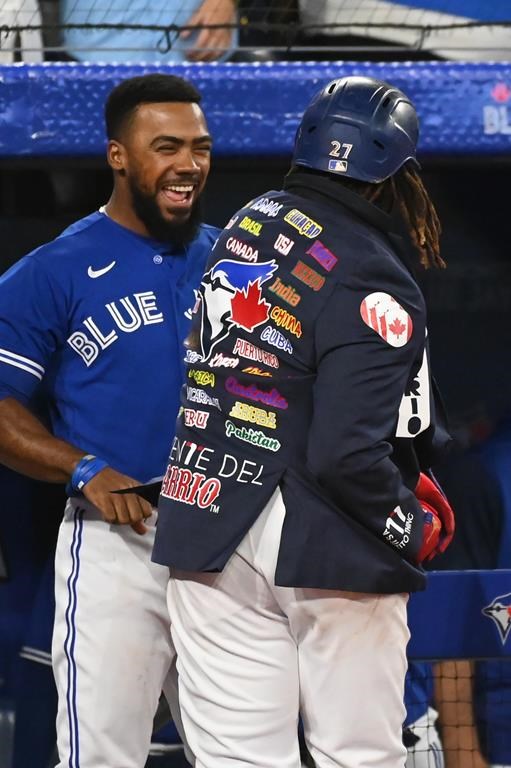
{"x":381,"y":312}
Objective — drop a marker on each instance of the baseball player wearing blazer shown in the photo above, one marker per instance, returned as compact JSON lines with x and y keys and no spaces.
{"x":297,"y":507}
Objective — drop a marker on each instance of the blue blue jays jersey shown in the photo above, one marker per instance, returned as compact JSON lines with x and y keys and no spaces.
{"x":97,"y":316}
{"x":307,"y":368}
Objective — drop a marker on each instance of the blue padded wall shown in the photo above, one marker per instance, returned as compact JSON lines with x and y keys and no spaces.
{"x":461,"y":615}
{"x":253,"y":109}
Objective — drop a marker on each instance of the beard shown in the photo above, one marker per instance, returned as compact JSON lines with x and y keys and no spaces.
{"x":178,"y":233}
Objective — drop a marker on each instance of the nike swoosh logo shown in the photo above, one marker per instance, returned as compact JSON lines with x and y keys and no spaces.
{"x":98,"y":272}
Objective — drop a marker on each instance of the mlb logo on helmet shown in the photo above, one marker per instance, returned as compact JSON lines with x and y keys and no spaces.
{"x":338,"y":166}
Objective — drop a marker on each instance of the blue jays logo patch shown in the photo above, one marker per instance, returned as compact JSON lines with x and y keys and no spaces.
{"x":499,"y":611}
{"x":231,"y":296}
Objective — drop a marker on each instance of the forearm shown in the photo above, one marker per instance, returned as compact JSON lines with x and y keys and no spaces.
{"x":29,"y":448}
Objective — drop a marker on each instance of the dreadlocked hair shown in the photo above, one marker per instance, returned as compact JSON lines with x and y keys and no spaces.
{"x":406,"y":190}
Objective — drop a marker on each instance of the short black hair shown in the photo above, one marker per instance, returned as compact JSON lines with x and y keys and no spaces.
{"x":124,"y":99}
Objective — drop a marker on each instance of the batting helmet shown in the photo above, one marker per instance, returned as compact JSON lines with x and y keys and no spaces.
{"x":358,"y":127}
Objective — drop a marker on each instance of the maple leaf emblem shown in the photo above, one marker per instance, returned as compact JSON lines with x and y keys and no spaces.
{"x":397,"y":327}
{"x":248,"y":310}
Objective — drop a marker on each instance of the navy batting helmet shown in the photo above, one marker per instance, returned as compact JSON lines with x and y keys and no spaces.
{"x":358,"y":127}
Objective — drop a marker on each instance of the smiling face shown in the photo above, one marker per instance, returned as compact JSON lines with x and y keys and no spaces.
{"x":163,"y":160}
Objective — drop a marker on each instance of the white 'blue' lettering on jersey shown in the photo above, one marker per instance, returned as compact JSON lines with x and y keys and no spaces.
{"x":97,"y":316}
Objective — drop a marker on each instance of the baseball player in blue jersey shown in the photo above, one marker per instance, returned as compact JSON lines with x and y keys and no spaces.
{"x":97,"y":319}
{"x":296,"y":507}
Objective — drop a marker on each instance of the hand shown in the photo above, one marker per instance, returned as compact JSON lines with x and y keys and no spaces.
{"x":211,"y":43}
{"x":438,"y":518}
{"x":117,"y":509}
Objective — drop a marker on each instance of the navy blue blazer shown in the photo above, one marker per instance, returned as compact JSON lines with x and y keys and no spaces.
{"x":307,"y":368}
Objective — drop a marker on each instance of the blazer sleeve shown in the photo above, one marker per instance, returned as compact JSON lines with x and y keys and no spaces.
{"x":369,"y":337}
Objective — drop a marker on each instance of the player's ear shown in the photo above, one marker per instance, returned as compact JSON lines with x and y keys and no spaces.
{"x":116,"y":156}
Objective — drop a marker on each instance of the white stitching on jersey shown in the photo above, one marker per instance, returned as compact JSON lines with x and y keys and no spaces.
{"x":18,"y":361}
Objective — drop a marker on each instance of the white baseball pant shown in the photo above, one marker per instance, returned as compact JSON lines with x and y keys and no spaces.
{"x":251,"y":656}
{"x":112,"y":650}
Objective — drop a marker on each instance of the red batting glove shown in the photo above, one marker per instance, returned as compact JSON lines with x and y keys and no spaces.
{"x":438,"y":519}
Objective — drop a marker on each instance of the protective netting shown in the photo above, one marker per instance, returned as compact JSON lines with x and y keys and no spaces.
{"x":176,"y":30}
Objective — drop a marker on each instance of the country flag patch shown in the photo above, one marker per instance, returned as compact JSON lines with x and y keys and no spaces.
{"x":381,"y":312}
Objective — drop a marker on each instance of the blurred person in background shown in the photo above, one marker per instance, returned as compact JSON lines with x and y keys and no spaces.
{"x":334,"y":23}
{"x":420,"y":732}
{"x":145,"y":45}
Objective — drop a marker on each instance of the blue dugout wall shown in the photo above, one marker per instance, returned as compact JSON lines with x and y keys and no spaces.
{"x":253,"y":109}
{"x":461,"y":614}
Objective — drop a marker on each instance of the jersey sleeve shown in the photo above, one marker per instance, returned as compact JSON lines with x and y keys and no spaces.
{"x":368,"y":338}
{"x":32,"y":325}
